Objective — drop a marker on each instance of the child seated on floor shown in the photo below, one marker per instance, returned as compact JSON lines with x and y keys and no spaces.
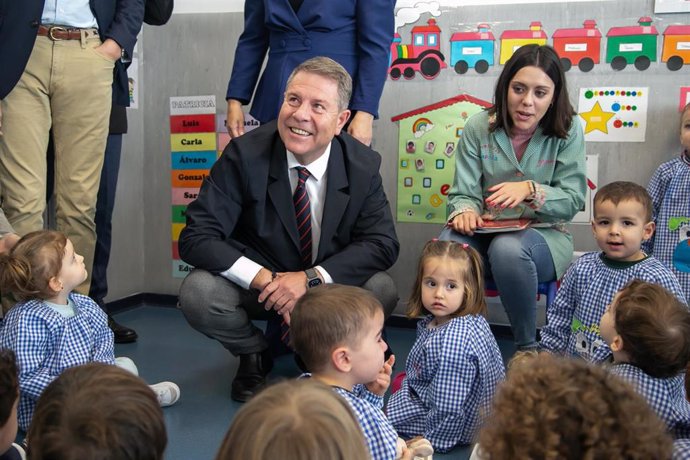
{"x":97,"y":411}
{"x":551,"y":407}
{"x":454,"y":366}
{"x":622,"y":222}
{"x":336,"y":330}
{"x":53,"y":328}
{"x":9,"y":397}
{"x":294,"y":420}
{"x":648,"y":331}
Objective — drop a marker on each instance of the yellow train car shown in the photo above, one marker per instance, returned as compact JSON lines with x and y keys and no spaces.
{"x":514,"y":39}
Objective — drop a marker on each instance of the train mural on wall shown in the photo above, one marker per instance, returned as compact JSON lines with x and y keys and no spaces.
{"x":582,"y":47}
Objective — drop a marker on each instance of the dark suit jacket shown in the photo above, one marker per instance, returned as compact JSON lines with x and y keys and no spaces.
{"x":356,"y":33}
{"x":244,"y":208}
{"x":19,"y":21}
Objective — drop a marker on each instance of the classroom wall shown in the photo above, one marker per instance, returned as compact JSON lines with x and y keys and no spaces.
{"x":192,"y":55}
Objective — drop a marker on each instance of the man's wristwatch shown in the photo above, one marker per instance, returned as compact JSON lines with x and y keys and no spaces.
{"x":313,"y":279}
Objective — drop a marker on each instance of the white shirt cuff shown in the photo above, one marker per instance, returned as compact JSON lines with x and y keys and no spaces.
{"x":326,"y":277}
{"x":242,"y":272}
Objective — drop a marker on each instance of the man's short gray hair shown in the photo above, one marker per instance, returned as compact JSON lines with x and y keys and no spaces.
{"x":328,"y":68}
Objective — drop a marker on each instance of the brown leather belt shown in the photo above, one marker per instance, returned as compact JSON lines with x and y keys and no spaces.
{"x":66,"y":33}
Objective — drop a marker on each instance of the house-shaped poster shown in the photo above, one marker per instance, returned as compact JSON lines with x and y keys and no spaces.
{"x":427,"y":145}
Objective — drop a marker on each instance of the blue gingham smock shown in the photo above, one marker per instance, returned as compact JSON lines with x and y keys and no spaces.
{"x":666,"y":397}
{"x":46,"y":343}
{"x":451,"y":377}
{"x":681,"y":449}
{"x":378,"y":431}
{"x":670,"y":192}
{"x":588,"y":287}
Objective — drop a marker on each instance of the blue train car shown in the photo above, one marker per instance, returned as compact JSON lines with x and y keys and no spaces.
{"x":472,"y":49}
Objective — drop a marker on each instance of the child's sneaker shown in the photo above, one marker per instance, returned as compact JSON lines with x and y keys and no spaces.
{"x":167,"y":393}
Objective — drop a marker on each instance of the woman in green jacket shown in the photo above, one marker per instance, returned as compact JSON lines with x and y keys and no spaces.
{"x":522,"y":158}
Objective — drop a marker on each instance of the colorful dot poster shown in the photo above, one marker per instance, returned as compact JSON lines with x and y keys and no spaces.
{"x":613,"y":114}
{"x":427,"y":145}
{"x":193,"y":146}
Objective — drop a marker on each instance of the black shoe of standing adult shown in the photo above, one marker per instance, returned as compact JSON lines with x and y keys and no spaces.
{"x":251,"y":375}
{"x":122,"y":334}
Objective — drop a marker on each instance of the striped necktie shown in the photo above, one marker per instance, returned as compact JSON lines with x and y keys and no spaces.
{"x":303,"y":215}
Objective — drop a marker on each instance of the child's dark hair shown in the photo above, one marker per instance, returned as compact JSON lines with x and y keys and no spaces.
{"x":471,"y":277}
{"x":36,"y":258}
{"x":559,"y":117}
{"x":618,"y":191}
{"x":97,"y":411}
{"x":9,"y":384}
{"x":655,"y":328}
{"x":329,"y":316}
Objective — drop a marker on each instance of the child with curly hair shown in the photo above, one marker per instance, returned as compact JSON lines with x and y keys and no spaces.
{"x":561,"y":408}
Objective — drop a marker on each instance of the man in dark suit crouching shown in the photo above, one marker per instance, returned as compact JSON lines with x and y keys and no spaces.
{"x":288,"y":206}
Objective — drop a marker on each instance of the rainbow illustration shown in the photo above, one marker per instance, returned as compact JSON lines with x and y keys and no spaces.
{"x":420,"y":125}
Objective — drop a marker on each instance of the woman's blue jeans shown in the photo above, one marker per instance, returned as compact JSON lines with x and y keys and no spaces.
{"x":517,"y":262}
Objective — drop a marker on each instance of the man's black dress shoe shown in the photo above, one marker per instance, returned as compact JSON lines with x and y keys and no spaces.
{"x":122,"y":333}
{"x":251,"y":375}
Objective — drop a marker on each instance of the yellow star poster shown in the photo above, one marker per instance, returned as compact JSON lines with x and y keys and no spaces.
{"x":613,"y":114}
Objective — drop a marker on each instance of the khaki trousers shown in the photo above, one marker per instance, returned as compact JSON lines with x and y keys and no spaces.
{"x":67,"y":85}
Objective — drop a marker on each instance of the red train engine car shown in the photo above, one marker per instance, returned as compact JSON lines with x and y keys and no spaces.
{"x":423,"y":55}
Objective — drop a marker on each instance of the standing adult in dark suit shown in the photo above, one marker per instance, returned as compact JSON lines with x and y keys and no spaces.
{"x":62,"y":65}
{"x":355,"y":33}
{"x":157,"y":13}
{"x":242,"y":232}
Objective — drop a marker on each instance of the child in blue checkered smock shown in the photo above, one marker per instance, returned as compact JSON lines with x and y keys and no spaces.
{"x":670,"y":192}
{"x":336,"y":330}
{"x":53,"y":328}
{"x":648,"y":331}
{"x":622,"y":221}
{"x":454,"y":366}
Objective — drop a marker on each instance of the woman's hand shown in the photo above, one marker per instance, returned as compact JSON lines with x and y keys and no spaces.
{"x":361,"y":127}
{"x":466,"y":223}
{"x":234,"y":121}
{"x":508,"y":194}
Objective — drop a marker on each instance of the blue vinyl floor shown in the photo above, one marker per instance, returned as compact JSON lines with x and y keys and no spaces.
{"x":169,"y":349}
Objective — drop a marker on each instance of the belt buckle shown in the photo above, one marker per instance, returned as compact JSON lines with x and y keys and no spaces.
{"x":59,"y":29}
